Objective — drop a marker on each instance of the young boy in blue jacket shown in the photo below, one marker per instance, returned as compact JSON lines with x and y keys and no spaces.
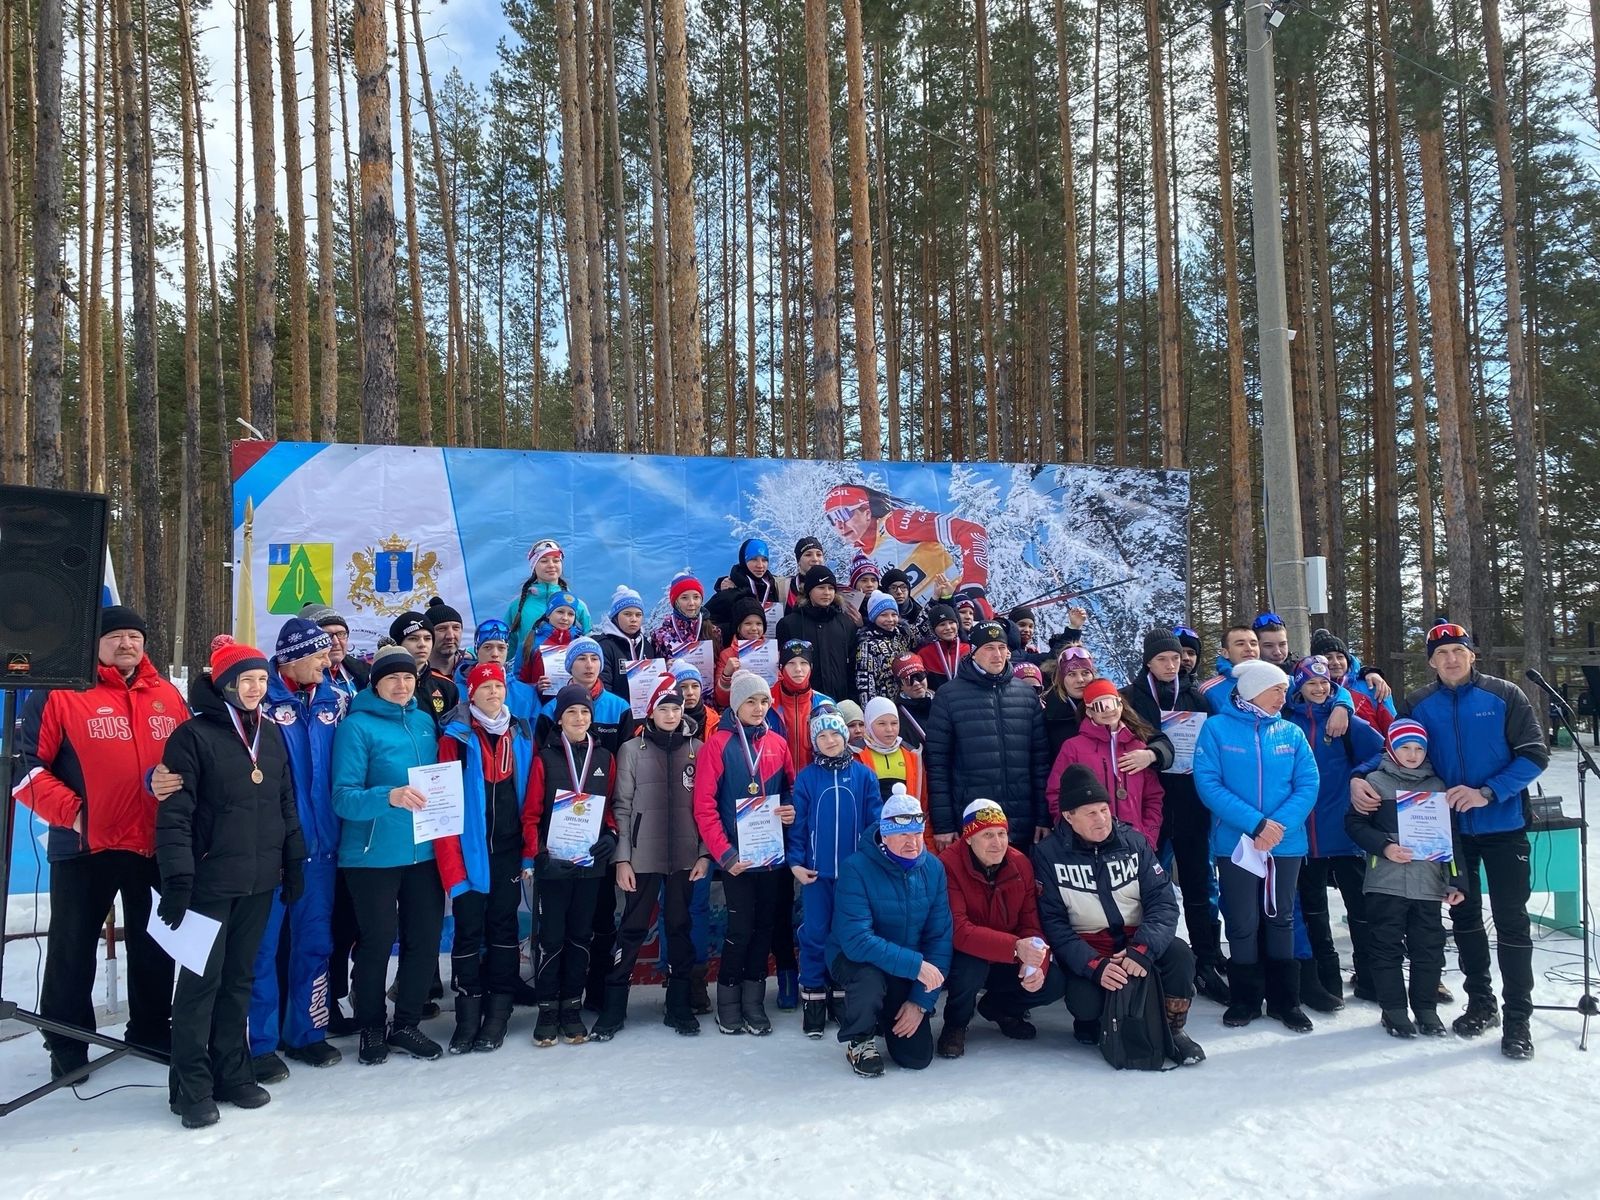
{"x":836,"y":799}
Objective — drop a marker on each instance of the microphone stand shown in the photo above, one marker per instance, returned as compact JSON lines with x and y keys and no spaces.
{"x":1586,"y":1006}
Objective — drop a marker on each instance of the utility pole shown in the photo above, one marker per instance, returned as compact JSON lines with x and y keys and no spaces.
{"x":1280,"y":471}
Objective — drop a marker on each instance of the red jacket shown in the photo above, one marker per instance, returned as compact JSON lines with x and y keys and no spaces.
{"x":990,"y":916}
{"x":1092,"y":747}
{"x":87,"y":753}
{"x":937,"y":655}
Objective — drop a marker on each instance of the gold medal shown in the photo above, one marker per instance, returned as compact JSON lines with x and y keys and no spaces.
{"x":755,"y":788}
{"x":1122,"y":792}
{"x":256,"y":776}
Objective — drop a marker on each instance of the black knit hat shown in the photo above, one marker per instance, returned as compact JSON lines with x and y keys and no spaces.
{"x":804,"y":544}
{"x":744,"y":606}
{"x":939,"y":613}
{"x":439,"y":613}
{"x":987,"y":633}
{"x":795,"y":648}
{"x":816,"y":577}
{"x":116,"y":617}
{"x":1160,"y":641}
{"x":406,"y":624}
{"x":892,"y":576}
{"x":1324,"y":641}
{"x":1188,"y":639}
{"x":391,"y":660}
{"x":1020,"y":614}
{"x":573,"y":695}
{"x":1080,"y":787}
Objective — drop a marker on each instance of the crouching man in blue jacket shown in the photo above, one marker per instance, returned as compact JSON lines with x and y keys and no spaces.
{"x":891,"y":940}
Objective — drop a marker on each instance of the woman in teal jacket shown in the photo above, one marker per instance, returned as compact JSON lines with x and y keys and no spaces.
{"x":392,"y":878}
{"x":1254,"y":770}
{"x":546,"y":559}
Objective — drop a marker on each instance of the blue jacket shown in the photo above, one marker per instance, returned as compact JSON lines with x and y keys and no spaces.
{"x":611,"y":720}
{"x":1336,"y":762}
{"x":1218,"y":690}
{"x":308,"y":727}
{"x":1248,"y":769}
{"x":474,"y":839}
{"x":892,"y":918}
{"x":1483,"y":734}
{"x":831,"y":811}
{"x":375,"y":746}
{"x":1354,"y":681}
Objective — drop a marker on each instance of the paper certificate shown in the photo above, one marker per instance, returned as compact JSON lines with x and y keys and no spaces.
{"x":1183,"y":731}
{"x":774,"y":615}
{"x":575,"y":826}
{"x":761,"y":657}
{"x":1424,"y":825}
{"x":760,"y":830}
{"x":644,"y":675}
{"x":699,"y":656}
{"x":1247,"y":856}
{"x":189,"y":945}
{"x":555,"y":669}
{"x":441,"y":784}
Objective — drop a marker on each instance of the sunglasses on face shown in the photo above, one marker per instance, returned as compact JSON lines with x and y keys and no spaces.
{"x":1104,"y":705}
{"x":915,"y":677}
{"x":905,"y":821}
{"x":1439,"y":632}
{"x":843,"y":516}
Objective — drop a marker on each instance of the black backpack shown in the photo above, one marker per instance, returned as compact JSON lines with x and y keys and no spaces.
{"x":1133,"y":1027}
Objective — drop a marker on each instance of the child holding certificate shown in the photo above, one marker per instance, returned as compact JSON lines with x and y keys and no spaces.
{"x":749,"y":623}
{"x":836,"y":799}
{"x":568,"y":838}
{"x":1403,"y":890}
{"x":741,"y":801}
{"x":556,"y":628}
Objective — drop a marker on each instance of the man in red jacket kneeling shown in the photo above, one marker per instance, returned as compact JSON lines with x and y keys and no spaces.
{"x":999,"y":946}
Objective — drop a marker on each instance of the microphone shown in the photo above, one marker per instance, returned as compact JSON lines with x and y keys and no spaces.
{"x":1534,"y":676}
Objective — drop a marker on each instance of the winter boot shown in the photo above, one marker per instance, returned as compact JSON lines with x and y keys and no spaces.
{"x":836,"y":1004}
{"x":1283,"y":994}
{"x":1244,"y":989}
{"x":699,"y":993}
{"x":246,"y":1095}
{"x":752,"y":1004}
{"x":546,"y":1030}
{"x":1361,"y":987}
{"x":469,"y":1019}
{"x":952,"y":1041}
{"x":374,"y":1049}
{"x":269,"y":1068}
{"x":864,"y":1058}
{"x":680,"y":1008}
{"x":1186,"y":1051}
{"x":1428,"y":1023}
{"x":1517,"y":1040}
{"x":573,"y":1031}
{"x":1329,"y":976}
{"x":1012,"y":1025}
{"x":788,"y":991}
{"x":1312,"y":993}
{"x":1480,"y":1016}
{"x":1086,"y":1033}
{"x":523,"y":995}
{"x":1211,"y":983}
{"x":340,"y":1025}
{"x":496,"y":1016}
{"x":813,"y":1013}
{"x":1397,"y":1022}
{"x":200,"y":1114}
{"x":613,"y":1013}
{"x":408,"y":1039}
{"x":1444,"y":995}
{"x":316,"y":1054}
{"x":730,"y":1014}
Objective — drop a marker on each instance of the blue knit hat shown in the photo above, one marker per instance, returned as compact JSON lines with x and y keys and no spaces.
{"x":583,"y":645}
{"x":879,"y":603}
{"x":624,"y":598}
{"x":300,"y":638}
{"x":561,"y":600}
{"x":684,"y":670}
{"x":1312,"y":666}
{"x":824,"y":722}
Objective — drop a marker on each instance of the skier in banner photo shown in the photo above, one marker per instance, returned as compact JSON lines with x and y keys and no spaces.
{"x":923,"y":545}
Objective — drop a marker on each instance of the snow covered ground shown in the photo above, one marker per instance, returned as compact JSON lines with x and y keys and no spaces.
{"x":1344,"y":1111}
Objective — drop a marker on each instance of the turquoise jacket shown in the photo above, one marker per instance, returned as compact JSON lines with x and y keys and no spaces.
{"x":1248,"y":768}
{"x":374,"y":748}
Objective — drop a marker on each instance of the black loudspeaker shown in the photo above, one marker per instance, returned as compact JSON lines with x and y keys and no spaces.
{"x":52,"y":572}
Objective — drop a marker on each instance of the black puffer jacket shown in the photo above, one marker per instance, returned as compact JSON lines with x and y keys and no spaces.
{"x":831,"y":635}
{"x":1182,"y":811}
{"x":222,"y":834}
{"x":986,"y":739}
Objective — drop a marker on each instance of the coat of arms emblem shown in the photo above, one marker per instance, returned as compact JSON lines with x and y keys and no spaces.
{"x":393,"y":577}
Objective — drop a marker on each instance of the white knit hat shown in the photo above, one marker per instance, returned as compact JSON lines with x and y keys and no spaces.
{"x":1254,"y":676}
{"x":746,"y":684}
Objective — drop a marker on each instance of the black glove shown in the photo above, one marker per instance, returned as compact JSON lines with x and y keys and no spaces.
{"x":603,"y":849}
{"x":174,"y":901}
{"x":294,"y":882}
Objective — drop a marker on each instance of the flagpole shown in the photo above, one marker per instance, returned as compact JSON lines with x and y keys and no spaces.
{"x":244,"y":612}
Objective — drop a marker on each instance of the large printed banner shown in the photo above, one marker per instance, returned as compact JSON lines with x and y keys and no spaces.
{"x":376,"y":530}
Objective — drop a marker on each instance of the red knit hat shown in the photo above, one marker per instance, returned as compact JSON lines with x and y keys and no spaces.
{"x":1099,"y":689}
{"x":684,"y":582}
{"x":232,"y":659}
{"x":484,"y":672}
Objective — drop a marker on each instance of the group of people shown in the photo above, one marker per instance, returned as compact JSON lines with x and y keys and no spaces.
{"x":922,"y":803}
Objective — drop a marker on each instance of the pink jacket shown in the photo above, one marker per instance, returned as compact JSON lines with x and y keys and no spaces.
{"x":1092,"y":747}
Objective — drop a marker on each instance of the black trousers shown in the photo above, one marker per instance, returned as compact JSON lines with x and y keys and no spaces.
{"x":1504,"y":857}
{"x":81,"y":891}
{"x":784,"y":955}
{"x":566,"y":927}
{"x":1349,"y":874}
{"x":1242,"y":907}
{"x":390,"y":902}
{"x":970,"y":974}
{"x":1397,"y":930}
{"x":345,"y":933}
{"x":211,"y":1012}
{"x":638,"y":916}
{"x":872,"y":1001}
{"x":752,"y":900}
{"x":1186,"y":826}
{"x":484,"y":956}
{"x":602,"y":936}
{"x":1086,"y":999}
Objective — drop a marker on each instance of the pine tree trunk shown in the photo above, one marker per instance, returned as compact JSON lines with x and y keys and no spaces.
{"x":49,"y":298}
{"x":1072,"y":334}
{"x":579,"y":344}
{"x":1332,"y":438}
{"x":988,"y":242}
{"x":891,"y":316}
{"x":94,"y":341}
{"x":380,"y":415}
{"x":263,"y":306}
{"x":1171,"y":381}
{"x":594,"y":237}
{"x":294,"y":188}
{"x":1385,"y":611}
{"x":746,"y":140}
{"x":351,"y":178}
{"x":421,"y":359}
{"x":1524,"y":433}
{"x":191,"y":574}
{"x":684,"y":301}
{"x":13,"y":392}
{"x":824,"y":237}
{"x":632,"y":442}
{"x":241,"y":225}
{"x":861,"y":233}
{"x":665,"y":427}
{"x":322,"y":148}
{"x":129,"y":531}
